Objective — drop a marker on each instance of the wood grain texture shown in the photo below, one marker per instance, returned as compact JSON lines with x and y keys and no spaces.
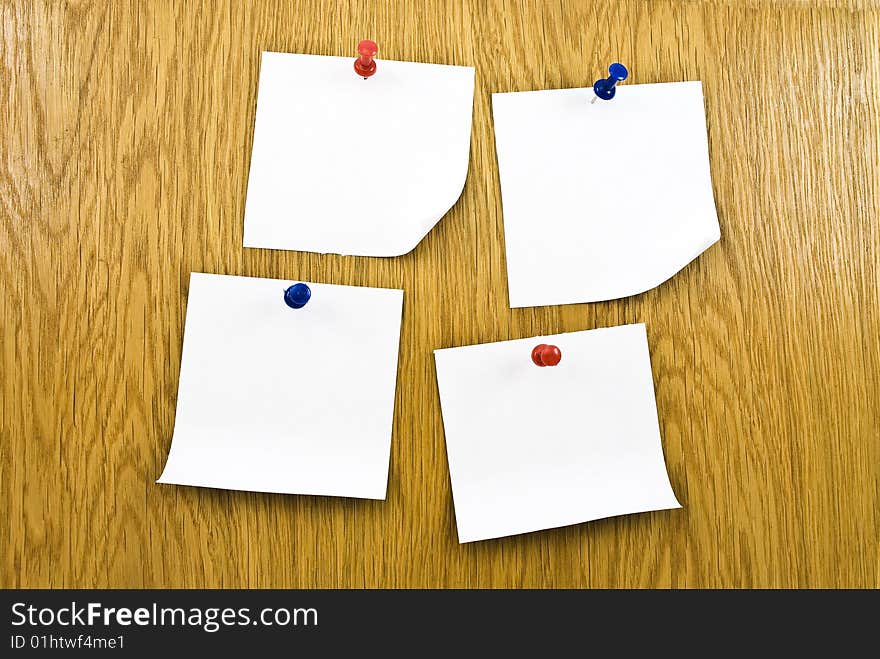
{"x":125,"y":133}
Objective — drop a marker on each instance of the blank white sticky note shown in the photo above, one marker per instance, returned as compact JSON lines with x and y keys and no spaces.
{"x":351,"y":166}
{"x":535,"y":448}
{"x":274,"y":399}
{"x":602,"y":200}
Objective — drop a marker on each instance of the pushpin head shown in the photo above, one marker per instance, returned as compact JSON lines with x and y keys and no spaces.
{"x":365,"y":65}
{"x":546,"y":355}
{"x":605,"y":88}
{"x":618,"y":72}
{"x":297,"y":296}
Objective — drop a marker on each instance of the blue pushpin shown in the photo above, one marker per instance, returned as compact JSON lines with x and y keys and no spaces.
{"x":297,"y":296}
{"x":605,"y":87}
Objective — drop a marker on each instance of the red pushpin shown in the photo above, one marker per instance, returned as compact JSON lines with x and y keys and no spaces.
{"x":545,"y":355}
{"x":364,"y":65}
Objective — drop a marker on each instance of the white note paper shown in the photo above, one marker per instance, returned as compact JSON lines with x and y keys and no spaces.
{"x":274,"y":399}
{"x":352,"y":166}
{"x":602,"y":200}
{"x":534,"y":448}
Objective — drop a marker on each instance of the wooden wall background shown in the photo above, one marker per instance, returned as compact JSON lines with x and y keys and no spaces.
{"x":125,"y":132}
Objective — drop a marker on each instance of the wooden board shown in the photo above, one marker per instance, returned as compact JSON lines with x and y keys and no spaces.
{"x":126,"y":132}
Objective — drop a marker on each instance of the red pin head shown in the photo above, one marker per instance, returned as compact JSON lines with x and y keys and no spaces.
{"x":364,"y":65}
{"x":546,"y":355}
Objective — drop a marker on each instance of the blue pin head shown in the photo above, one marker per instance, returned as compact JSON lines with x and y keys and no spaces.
{"x":605,"y":87}
{"x":297,"y":296}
